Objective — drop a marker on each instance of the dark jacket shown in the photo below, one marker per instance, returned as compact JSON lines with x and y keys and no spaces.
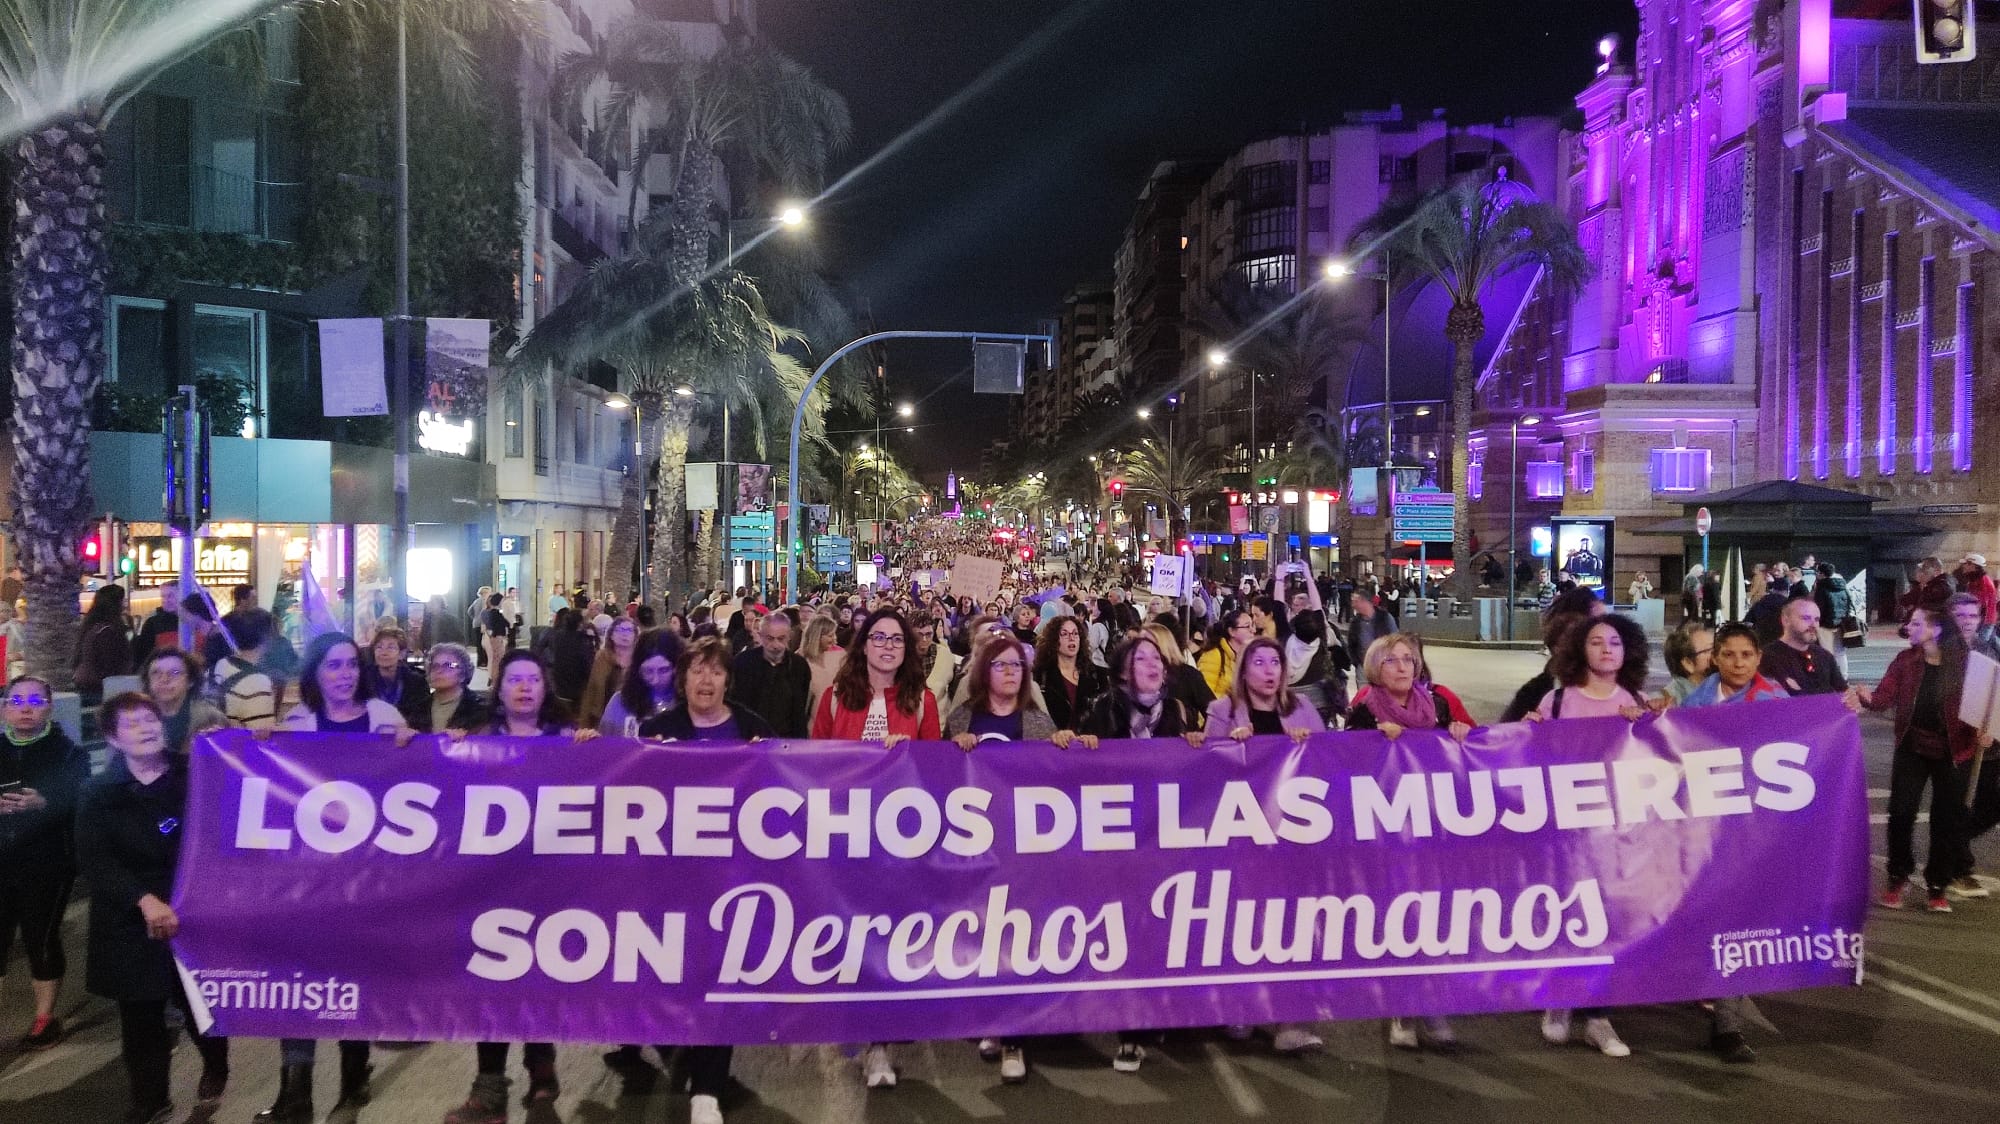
{"x":1091,"y":681}
{"x":128,"y":839}
{"x":1898,"y":691}
{"x":1111,"y":717}
{"x":413,"y":696}
{"x":1186,"y":683}
{"x":777,"y":692}
{"x":1767,"y":616}
{"x":1930,"y":596}
{"x":53,"y":766}
{"x":1835,"y":603}
{"x":101,"y":651}
{"x":677,"y":725}
{"x":569,"y":653}
{"x":1361,"y":633}
{"x":161,"y":622}
{"x":1526,"y":699}
{"x":471,"y":713}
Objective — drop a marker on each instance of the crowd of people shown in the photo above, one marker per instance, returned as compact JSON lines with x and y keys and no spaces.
{"x":1043,"y":660}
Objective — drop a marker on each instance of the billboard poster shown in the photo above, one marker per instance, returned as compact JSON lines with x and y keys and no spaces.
{"x":1583,"y":551}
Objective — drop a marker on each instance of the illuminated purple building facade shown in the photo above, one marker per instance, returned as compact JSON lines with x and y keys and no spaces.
{"x":1794,"y":246}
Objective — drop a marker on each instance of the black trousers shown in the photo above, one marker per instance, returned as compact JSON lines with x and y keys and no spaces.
{"x":1909,"y":774}
{"x":1985,"y":812}
{"x":493,"y":1057}
{"x":32,"y":901}
{"x":149,"y":1048}
{"x":707,"y":1066}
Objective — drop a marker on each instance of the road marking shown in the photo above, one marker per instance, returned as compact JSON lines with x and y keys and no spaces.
{"x":1902,"y":1075}
{"x":1928,"y":980}
{"x":1878,"y":794}
{"x":1298,"y":1081}
{"x":1917,"y":995}
{"x":1782,"y":1076}
{"x":1622,"y":1081}
{"x":1880,"y":818}
{"x":1239,"y":1092}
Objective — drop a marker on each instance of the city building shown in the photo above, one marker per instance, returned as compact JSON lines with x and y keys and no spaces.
{"x":1148,"y":308}
{"x":1792,"y":242}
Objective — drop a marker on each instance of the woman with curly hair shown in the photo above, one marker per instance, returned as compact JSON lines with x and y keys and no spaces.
{"x":1070,"y":683}
{"x":879,"y":693}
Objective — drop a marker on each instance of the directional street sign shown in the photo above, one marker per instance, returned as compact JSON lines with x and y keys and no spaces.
{"x":1422,"y":517}
{"x":751,"y":537}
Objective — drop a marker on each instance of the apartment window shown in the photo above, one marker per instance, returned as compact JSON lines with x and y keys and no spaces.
{"x":1319,"y":171}
{"x":513,"y":422}
{"x":582,"y":447}
{"x":1397,"y":169}
{"x":1263,"y":232}
{"x":1544,"y":480}
{"x":164,"y":127}
{"x":1270,"y":185}
{"x":1268,"y":273}
{"x":1583,"y":468}
{"x":541,"y":437}
{"x":1475,"y":474}
{"x":1680,"y":470}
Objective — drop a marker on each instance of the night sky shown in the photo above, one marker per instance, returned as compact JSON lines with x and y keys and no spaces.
{"x":983,"y":220}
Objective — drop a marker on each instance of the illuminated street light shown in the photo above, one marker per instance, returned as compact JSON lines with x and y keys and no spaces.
{"x":792,"y":214}
{"x":1144,"y":413}
{"x":906,"y":410}
{"x":684,"y":391}
{"x":1339,"y":269}
{"x":1217,"y":357}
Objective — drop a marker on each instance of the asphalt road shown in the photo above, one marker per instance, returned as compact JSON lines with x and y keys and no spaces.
{"x":1919,"y":1041}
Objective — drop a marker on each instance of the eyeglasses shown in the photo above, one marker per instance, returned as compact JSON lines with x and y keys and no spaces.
{"x":886,"y":639}
{"x":447,"y":665}
{"x":27,"y":700}
{"x":164,"y":672}
{"x":1246,"y":626}
{"x":1399,"y":661}
{"x":1007,"y":665}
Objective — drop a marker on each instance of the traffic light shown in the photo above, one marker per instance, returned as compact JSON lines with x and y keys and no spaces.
{"x":1117,"y":489}
{"x":91,"y":551}
{"x":1944,"y":30}
{"x":1027,"y":554}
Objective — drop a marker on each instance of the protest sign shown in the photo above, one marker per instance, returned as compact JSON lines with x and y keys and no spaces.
{"x":976,"y":577}
{"x":506,"y":889}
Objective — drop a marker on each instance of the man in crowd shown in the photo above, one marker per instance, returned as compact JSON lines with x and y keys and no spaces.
{"x":1796,"y":661}
{"x":1929,"y":591}
{"x":772,"y":680}
{"x":165,"y":621}
{"x":1368,"y":624}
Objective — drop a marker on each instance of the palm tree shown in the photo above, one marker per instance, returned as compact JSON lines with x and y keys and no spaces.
{"x":66,"y":68}
{"x":714,"y":343}
{"x":1171,"y":476}
{"x":1461,"y":237}
{"x":745,"y":101}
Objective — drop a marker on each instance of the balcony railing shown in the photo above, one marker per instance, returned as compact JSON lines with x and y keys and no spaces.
{"x":573,"y":240}
{"x":199,"y":197}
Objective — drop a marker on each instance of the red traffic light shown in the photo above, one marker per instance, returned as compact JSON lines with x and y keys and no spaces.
{"x":93,"y":549}
{"x":1027,"y":554}
{"x":1118,"y":488}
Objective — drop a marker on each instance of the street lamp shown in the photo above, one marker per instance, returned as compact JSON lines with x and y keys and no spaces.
{"x":620,"y":402}
{"x":1144,"y":413}
{"x":1339,"y":271}
{"x":1513,"y":491}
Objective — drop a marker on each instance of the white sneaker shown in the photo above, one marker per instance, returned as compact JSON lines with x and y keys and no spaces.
{"x":1438,"y":1029}
{"x":1555,"y":1026}
{"x":1598,"y":1033}
{"x":1294,"y":1038}
{"x":989,"y":1049}
{"x":1402,"y":1035}
{"x":1129,"y":1058}
{"x":875,"y":1067}
{"x":1013,"y":1065}
{"x":704,"y":1110}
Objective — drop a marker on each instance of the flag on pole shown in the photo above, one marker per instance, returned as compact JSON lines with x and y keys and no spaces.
{"x":313,"y":605}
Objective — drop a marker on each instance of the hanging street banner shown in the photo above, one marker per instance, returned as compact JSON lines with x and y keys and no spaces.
{"x":353,"y":370}
{"x":500,"y":889}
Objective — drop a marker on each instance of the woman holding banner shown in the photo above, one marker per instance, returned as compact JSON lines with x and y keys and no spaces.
{"x":448,"y":668}
{"x":334,"y":699}
{"x":1736,"y":680}
{"x":524,"y":705}
{"x":879,"y":696}
{"x":1069,"y":682}
{"x":609,"y":671}
{"x":1922,"y":686}
{"x":128,"y":837}
{"x":1401,"y":697}
{"x":1599,"y":667}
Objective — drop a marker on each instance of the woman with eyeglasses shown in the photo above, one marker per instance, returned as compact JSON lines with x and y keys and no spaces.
{"x":128,"y":839}
{"x":648,"y":688}
{"x":333,"y":699}
{"x":169,"y":676}
{"x":1217,"y":662}
{"x":453,"y":706}
{"x":879,"y":696}
{"x":608,"y":671}
{"x":42,"y":773}
{"x":1399,"y":697}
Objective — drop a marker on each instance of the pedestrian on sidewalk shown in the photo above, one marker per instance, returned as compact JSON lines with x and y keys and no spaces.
{"x":42,"y":773}
{"x":1982,"y":809}
{"x":1922,"y":686}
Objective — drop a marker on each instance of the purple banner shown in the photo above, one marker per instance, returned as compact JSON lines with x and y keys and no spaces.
{"x":335,"y":886}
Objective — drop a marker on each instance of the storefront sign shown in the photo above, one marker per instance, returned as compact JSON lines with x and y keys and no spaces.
{"x":217,"y":562}
{"x":443,"y":435}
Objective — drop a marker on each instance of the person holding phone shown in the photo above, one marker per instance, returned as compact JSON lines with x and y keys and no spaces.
{"x":41,"y":774}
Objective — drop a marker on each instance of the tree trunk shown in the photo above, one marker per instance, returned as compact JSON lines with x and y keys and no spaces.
{"x":669,"y":561}
{"x":623,"y":558}
{"x":694,"y":193}
{"x":1463,"y":327}
{"x":708,"y":547}
{"x":58,"y":266}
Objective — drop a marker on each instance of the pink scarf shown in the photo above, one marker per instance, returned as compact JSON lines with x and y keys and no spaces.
{"x":1419,"y":714}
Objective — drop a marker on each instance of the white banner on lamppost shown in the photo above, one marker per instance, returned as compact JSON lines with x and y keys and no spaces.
{"x":353,"y":380}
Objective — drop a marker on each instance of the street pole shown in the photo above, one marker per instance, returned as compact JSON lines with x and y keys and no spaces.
{"x":1388,"y":426}
{"x":791,"y":520}
{"x":645,"y":525}
{"x":1513,"y":529}
{"x":399,"y":550}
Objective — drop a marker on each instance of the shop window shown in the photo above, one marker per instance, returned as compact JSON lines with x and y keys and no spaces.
{"x":513,"y":422}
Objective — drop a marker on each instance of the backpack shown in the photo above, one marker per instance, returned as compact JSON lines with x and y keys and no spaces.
{"x":215,"y":691}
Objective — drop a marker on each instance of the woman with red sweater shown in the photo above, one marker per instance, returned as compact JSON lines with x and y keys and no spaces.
{"x":878,"y":695}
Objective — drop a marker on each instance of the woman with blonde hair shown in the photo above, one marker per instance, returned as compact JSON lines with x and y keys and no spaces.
{"x":1184,"y":681}
{"x":818,"y":649}
{"x":1259,"y":702}
{"x":608,"y":670}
